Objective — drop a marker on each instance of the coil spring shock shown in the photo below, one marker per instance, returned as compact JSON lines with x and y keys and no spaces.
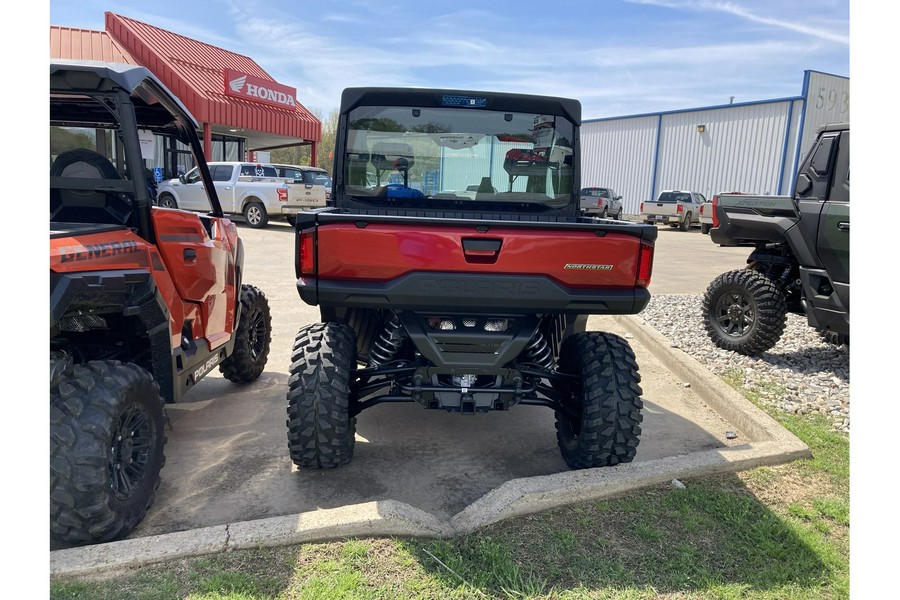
{"x":539,"y":351}
{"x":388,"y":343}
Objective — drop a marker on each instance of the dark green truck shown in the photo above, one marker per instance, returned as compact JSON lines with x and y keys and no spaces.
{"x":800,"y":261}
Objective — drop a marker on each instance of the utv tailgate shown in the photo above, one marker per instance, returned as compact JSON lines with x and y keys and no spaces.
{"x":395,"y":262}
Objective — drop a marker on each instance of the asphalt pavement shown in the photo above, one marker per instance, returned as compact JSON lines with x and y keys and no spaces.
{"x":229,"y":482}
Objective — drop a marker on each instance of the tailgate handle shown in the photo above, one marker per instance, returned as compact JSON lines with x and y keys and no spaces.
{"x":481,"y":249}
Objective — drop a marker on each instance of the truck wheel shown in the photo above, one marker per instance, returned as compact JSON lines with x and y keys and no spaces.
{"x":686,"y":224}
{"x":252,"y":337}
{"x":704,"y":228}
{"x":744,"y":311}
{"x":167,"y":201}
{"x":255,"y":215}
{"x":320,"y":429}
{"x":604,"y":213}
{"x":606,"y":399}
{"x":106,"y":451}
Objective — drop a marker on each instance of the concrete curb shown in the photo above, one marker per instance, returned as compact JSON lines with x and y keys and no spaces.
{"x":769,"y":444}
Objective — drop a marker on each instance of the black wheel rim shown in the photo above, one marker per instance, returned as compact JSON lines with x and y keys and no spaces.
{"x":256,"y":336}
{"x":131,"y":445}
{"x":734,"y":314}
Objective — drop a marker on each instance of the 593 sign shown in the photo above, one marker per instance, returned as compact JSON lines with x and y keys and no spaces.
{"x":833,"y":100}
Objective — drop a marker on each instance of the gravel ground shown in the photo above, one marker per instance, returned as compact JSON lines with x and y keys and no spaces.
{"x":801,"y":375}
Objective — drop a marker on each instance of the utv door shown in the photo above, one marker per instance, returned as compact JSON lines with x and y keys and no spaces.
{"x":833,"y":239}
{"x":823,"y":199}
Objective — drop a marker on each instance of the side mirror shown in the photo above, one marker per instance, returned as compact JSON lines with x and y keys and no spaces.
{"x":617,"y":198}
{"x":181,"y":178}
{"x":804,"y":183}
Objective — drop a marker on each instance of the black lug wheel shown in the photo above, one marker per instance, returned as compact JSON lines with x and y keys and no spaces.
{"x":320,"y":429}
{"x":602,"y":427}
{"x":744,"y":311}
{"x":106,"y":451}
{"x":252,"y":338}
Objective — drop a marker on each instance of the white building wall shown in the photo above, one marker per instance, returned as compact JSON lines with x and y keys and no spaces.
{"x":754,"y":147}
{"x":740,"y":149}
{"x":619,"y":154}
{"x":790,"y":156}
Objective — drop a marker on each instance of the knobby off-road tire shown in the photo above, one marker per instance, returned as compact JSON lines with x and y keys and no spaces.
{"x":686,"y":224}
{"x":106,"y":451}
{"x":744,"y":311}
{"x":608,"y":401}
{"x":320,"y":429}
{"x":252,"y":338}
{"x":255,"y":215}
{"x":834,"y":338}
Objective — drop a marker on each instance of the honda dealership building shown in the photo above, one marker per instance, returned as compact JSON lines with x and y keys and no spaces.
{"x":241,"y":109}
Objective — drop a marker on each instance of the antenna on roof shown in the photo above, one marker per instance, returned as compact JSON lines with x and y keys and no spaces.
{"x":730,"y":99}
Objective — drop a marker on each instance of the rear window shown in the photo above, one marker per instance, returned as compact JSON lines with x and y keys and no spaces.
{"x":433,"y":156}
{"x":258,"y":171}
{"x":595,"y":192}
{"x":674,"y":197}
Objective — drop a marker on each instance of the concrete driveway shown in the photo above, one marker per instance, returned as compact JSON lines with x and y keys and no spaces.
{"x":228,"y":466}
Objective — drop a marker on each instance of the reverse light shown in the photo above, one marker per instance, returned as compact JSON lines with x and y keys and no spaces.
{"x":645,"y":265}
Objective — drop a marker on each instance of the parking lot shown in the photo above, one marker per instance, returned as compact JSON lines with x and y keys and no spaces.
{"x":227,"y":457}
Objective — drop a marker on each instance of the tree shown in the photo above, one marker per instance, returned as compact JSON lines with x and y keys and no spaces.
{"x":300,"y":155}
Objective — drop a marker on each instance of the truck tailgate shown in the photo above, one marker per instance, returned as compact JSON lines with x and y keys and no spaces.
{"x":569,"y":267}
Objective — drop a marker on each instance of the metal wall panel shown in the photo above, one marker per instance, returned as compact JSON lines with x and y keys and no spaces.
{"x":739,"y":149}
{"x":619,"y":154}
{"x":827,"y":101}
{"x":754,"y":147}
{"x":790,"y":156}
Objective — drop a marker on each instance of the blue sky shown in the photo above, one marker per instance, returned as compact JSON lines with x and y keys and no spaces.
{"x":617,"y":57}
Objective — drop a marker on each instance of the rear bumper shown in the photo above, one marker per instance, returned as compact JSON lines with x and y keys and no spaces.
{"x":296,"y":208}
{"x":482,"y":293}
{"x":662,"y":218}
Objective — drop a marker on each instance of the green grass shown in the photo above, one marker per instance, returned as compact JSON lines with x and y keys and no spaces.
{"x":771,"y":533}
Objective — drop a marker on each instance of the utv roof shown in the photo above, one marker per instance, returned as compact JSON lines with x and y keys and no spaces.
{"x":834,"y":127}
{"x":424,"y":97}
{"x":97,"y":76}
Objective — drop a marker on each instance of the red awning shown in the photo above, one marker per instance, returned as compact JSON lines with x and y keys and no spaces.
{"x":195,"y":72}
{"x":86,"y":44}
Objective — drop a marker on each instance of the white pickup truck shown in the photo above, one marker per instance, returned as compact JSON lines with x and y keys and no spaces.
{"x":253,"y":190}
{"x":674,"y":208}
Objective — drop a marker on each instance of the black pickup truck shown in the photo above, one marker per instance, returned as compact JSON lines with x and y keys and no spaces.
{"x":801,"y":257}
{"x":464,"y":302}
